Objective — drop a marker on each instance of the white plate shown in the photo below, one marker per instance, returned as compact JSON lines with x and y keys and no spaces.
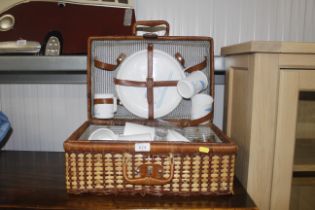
{"x":134,"y":68}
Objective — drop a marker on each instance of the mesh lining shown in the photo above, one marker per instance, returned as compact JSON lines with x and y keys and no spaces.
{"x":108,"y":50}
{"x":195,"y":134}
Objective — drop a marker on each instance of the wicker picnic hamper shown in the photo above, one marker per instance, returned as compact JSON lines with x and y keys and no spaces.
{"x":204,"y":165}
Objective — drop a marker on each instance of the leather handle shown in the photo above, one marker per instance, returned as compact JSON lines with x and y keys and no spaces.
{"x":198,"y":66}
{"x":148,"y":180}
{"x":107,"y":66}
{"x":103,"y":101}
{"x":149,"y":25}
{"x":180,"y":59}
{"x":150,"y":36}
{"x":203,"y":119}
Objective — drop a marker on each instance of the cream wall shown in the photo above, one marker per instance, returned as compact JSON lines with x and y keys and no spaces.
{"x":234,"y":21}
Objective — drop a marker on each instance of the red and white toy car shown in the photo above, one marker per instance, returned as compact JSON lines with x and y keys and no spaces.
{"x":54,"y":27}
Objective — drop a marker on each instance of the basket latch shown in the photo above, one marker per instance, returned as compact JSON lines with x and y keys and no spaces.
{"x":150,"y":174}
{"x":150,"y":170}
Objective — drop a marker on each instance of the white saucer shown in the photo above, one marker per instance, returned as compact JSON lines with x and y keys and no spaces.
{"x":134,"y":68}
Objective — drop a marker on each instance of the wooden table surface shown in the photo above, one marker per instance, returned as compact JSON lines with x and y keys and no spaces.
{"x":35,"y":180}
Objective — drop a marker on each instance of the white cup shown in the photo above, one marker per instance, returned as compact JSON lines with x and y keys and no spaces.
{"x":134,"y":129}
{"x":103,"y":134}
{"x":136,"y":137}
{"x":192,"y":84}
{"x":175,"y":136}
{"x":201,"y":105}
{"x":105,"y":105}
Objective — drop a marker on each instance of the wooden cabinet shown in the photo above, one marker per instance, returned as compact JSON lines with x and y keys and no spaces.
{"x":265,"y":81}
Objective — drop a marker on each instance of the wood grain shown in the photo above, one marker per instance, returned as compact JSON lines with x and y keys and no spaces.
{"x":291,"y":83}
{"x":306,"y":116}
{"x":286,"y":124}
{"x":238,"y":130}
{"x":251,"y":113}
{"x":302,"y":196}
{"x":269,"y":47}
{"x":297,"y":61}
{"x":263,"y":79}
{"x":304,"y":155}
{"x":271,"y":104}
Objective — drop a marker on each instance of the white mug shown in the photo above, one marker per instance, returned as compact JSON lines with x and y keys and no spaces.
{"x":201,"y":105}
{"x":105,"y":105}
{"x":103,"y":134}
{"x":135,"y":129}
{"x":192,"y":84}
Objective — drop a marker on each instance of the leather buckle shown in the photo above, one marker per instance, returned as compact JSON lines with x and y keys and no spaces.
{"x":150,"y":174}
{"x":150,"y":170}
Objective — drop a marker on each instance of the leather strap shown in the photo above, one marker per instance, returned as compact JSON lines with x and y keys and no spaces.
{"x":165,"y":83}
{"x":150,"y":82}
{"x":180,"y":59}
{"x":103,"y":101}
{"x":198,"y":66}
{"x":129,"y":83}
{"x":201,"y":120}
{"x":132,"y":83}
{"x":107,"y":66}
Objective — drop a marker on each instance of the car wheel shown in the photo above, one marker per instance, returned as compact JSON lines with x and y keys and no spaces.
{"x":53,"y":46}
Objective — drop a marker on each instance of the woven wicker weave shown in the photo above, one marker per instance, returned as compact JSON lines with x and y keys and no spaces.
{"x":196,"y":168}
{"x":193,"y":174}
